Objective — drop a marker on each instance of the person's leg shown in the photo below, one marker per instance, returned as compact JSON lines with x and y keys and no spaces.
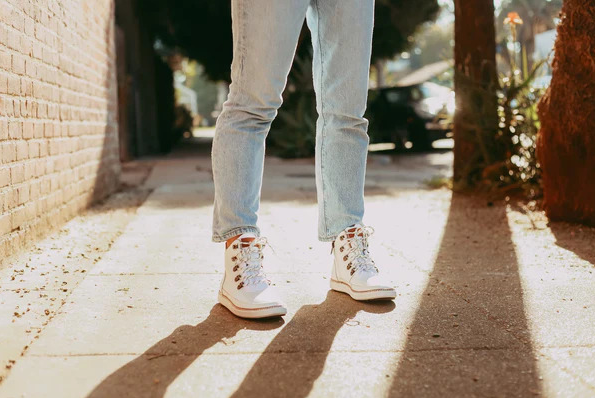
{"x":342,"y":41}
{"x":265,"y":36}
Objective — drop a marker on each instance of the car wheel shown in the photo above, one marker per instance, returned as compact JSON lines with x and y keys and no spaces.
{"x":420,"y":139}
{"x":399,"y":138}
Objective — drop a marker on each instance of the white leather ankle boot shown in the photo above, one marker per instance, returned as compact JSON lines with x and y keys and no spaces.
{"x":245,"y":289}
{"x":354,"y":271}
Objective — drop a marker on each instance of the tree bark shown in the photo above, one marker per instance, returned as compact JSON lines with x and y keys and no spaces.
{"x":475,"y":62}
{"x":566,"y":143}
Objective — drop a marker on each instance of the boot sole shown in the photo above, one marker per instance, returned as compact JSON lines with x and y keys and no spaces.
{"x":363,"y":295}
{"x":251,"y":313}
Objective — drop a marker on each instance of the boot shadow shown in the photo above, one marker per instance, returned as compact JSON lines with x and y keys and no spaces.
{"x":295,"y":358}
{"x":152,"y":372}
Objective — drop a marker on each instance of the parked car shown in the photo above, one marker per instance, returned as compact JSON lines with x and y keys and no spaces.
{"x":418,"y":114}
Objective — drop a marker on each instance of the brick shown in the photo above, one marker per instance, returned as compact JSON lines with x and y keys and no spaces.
{"x":28,"y":131}
{"x":30,"y":171}
{"x":43,"y":148}
{"x":17,"y":174}
{"x":42,"y":111}
{"x":13,"y":40}
{"x":30,"y":210}
{"x":4,"y":177}
{"x":3,"y":127}
{"x":33,"y":149}
{"x":54,"y":147}
{"x":9,"y":153}
{"x":40,"y":167}
{"x":3,"y":202}
{"x":26,"y":87}
{"x":27,"y":110}
{"x":29,"y":27}
{"x":5,"y":224}
{"x":35,"y":190}
{"x":37,"y":50}
{"x":12,"y":198}
{"x":22,"y":150}
{"x":5,"y":60}
{"x":17,"y":20}
{"x":18,"y":217}
{"x":14,"y":85}
{"x":26,"y":46}
{"x":15,"y":130}
{"x":18,"y":64}
{"x":23,"y":193}
{"x":48,"y":130}
{"x":30,"y":68}
{"x":15,"y":109}
{"x":3,"y":83}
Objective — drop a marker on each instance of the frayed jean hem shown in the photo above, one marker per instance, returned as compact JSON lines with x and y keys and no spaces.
{"x":235,"y":232}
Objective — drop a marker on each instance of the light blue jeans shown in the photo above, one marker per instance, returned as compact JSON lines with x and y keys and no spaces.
{"x":265,"y":36}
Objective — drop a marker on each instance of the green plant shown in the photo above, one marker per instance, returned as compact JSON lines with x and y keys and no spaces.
{"x":505,"y":159}
{"x":518,"y":128}
{"x":518,"y":124}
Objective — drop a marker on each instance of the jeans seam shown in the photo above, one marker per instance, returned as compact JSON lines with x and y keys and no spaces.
{"x":241,"y":44}
{"x":323,"y":128}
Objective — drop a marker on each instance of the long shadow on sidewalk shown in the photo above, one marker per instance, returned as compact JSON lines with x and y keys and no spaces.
{"x":295,"y":358}
{"x":470,"y":335}
{"x":149,"y":375}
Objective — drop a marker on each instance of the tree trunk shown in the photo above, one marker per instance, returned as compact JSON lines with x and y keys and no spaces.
{"x":566,"y":144}
{"x":476,"y":120}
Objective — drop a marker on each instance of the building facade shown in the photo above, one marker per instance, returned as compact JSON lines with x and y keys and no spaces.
{"x":58,"y":113}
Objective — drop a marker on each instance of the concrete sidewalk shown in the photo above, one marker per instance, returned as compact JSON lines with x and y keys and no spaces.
{"x":492,"y":301}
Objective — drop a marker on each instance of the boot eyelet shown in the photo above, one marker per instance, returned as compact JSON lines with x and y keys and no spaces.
{"x":238,"y":278}
{"x":349,"y":266}
{"x":352,"y":271}
{"x":241,"y":285}
{"x":234,"y":258}
{"x":235,"y":246}
{"x":345,"y":258}
{"x":235,"y":268}
{"x":342,"y":237}
{"x":341,"y":249}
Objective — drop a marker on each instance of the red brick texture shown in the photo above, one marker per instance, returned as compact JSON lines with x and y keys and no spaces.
{"x":58,"y":114}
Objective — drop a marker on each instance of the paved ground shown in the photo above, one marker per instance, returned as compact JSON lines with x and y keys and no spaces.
{"x":492,"y":301}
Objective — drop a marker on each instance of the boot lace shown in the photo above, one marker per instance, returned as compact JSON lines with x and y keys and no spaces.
{"x":249,"y":259}
{"x":358,"y":254}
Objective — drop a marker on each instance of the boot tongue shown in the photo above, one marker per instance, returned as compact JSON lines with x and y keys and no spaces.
{"x":351,"y":235}
{"x":351,"y":230}
{"x":247,"y":238}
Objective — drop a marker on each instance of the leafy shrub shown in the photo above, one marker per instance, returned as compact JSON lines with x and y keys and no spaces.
{"x":518,"y":128}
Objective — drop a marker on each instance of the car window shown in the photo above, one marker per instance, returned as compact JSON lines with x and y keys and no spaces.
{"x":430,"y":90}
{"x":396,"y":96}
{"x":416,"y":94}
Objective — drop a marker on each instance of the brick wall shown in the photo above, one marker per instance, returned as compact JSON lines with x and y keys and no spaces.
{"x":58,"y":106}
